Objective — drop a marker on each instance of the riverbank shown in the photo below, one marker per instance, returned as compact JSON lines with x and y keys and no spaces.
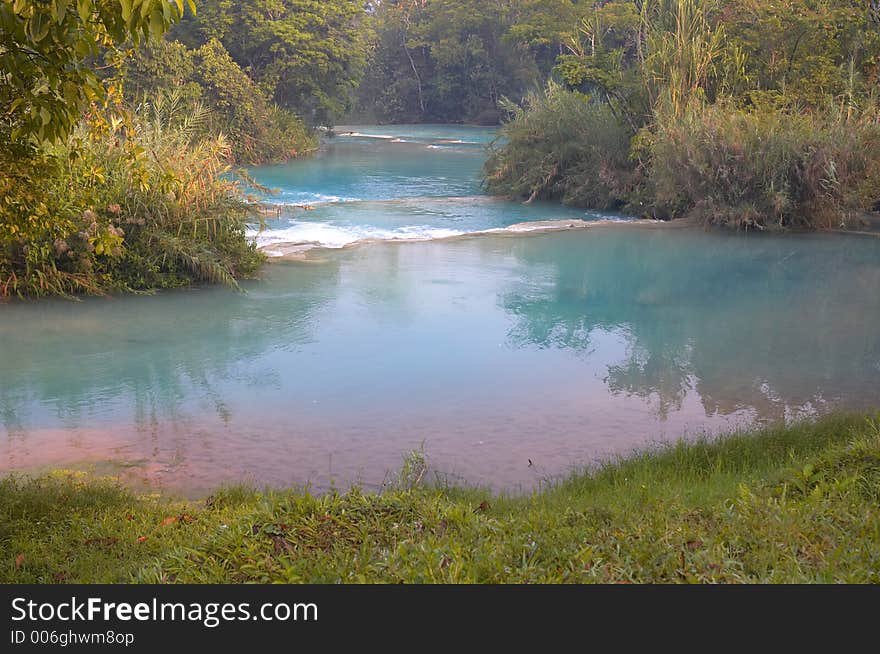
{"x":717,"y":164}
{"x":781,"y":504}
{"x":129,"y":203}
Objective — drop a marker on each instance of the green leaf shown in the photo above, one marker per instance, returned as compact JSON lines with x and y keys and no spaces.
{"x":82,"y":48}
{"x":84,"y":8}
{"x":157,"y":24}
{"x":35,"y":27}
{"x":60,"y":10}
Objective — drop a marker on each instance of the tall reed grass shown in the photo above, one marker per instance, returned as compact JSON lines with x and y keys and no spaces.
{"x":759,"y":169}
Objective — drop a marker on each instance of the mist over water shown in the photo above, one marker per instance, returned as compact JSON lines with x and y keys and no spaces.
{"x":490,"y":351}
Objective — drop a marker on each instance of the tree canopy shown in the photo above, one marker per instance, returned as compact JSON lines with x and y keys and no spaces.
{"x":45,"y":51}
{"x":307,"y":55}
{"x":438,"y":60}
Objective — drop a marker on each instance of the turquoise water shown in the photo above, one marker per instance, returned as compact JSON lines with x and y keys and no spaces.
{"x":399,"y":182}
{"x":488,"y":351}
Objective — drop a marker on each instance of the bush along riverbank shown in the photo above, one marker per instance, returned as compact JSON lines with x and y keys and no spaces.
{"x":100,"y":193}
{"x":738,"y":114}
{"x":127,"y":202}
{"x":781,"y":504}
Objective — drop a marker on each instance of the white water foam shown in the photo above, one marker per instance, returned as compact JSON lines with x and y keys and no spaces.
{"x":327,"y":235}
{"x":288,"y":199}
{"x":309,"y":235}
{"x":436,"y":143}
{"x":296,"y":200}
{"x":367,"y":136}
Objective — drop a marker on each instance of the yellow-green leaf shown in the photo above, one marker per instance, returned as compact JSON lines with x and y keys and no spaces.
{"x":84,"y":9}
{"x":157,"y":25}
{"x":61,"y":10}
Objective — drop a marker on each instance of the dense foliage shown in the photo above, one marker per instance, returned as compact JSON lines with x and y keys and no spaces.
{"x":454,"y":60}
{"x":566,"y":147}
{"x":95,"y":197}
{"x":207,"y":78}
{"x":265,"y":70}
{"x":46,"y":83}
{"x":747,"y":168}
{"x":124,"y":203}
{"x":306,"y":55}
{"x":740,"y":113}
{"x":737,"y":112}
{"x":117,"y":135}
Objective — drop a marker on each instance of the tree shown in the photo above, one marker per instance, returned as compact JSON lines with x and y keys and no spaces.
{"x":453,"y":61}
{"x":804,"y":51}
{"x":307,"y":54}
{"x":44,"y":49}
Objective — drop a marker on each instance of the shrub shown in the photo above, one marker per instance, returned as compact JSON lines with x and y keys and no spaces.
{"x":128,"y":202}
{"x":563,"y":146}
{"x":767,"y":168}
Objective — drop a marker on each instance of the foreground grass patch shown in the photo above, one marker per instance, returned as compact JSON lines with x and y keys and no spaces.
{"x":795,"y":504}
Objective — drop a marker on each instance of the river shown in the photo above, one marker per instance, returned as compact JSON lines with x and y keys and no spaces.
{"x":400,"y":313}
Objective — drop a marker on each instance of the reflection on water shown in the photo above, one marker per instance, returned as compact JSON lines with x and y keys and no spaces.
{"x":65,"y":362}
{"x":491,"y":350}
{"x":769,"y":324}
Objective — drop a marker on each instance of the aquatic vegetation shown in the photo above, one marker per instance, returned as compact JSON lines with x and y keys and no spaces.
{"x":785,"y":504}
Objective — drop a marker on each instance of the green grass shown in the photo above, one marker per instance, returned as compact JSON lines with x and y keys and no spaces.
{"x":783,"y":504}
